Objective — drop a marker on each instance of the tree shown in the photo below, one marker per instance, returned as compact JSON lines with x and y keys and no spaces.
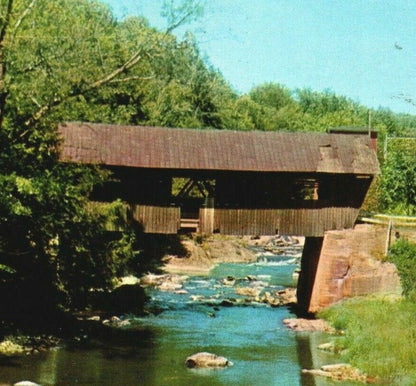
{"x":397,"y":193}
{"x":177,"y":14}
{"x":61,"y":60}
{"x":272,"y":95}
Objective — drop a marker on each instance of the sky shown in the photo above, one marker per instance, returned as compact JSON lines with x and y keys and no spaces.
{"x":362,"y":49}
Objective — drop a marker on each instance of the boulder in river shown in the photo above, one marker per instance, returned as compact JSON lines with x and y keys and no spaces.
{"x":8,"y":348}
{"x":153,"y":280}
{"x":228,"y":302}
{"x":165,"y":282}
{"x":207,"y":360}
{"x":127,"y":298}
{"x":248,"y":291}
{"x":228,"y":281}
{"x":308,"y":325}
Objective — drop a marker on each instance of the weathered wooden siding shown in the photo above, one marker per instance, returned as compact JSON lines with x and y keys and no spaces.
{"x":246,"y":221}
{"x":306,"y":222}
{"x":157,"y":219}
{"x":206,"y":220}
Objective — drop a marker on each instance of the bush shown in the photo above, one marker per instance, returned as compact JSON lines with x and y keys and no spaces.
{"x":403,"y":255}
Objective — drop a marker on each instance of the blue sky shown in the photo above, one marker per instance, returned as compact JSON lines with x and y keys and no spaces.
{"x":363,"y":49}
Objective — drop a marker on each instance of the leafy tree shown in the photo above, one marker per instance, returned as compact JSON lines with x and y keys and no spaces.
{"x":272,"y":95}
{"x":185,"y":92}
{"x":398,"y":181}
{"x":320,"y":103}
{"x":247,"y":114}
{"x":62,"y":60}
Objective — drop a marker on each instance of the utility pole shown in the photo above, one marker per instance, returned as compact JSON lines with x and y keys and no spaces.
{"x":369,"y":123}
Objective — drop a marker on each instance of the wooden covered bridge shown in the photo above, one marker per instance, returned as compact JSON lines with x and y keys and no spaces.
{"x":231,"y":182}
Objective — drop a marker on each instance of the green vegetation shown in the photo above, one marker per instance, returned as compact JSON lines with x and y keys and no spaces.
{"x":403,"y":255}
{"x":380,"y":333}
{"x":379,"y":337}
{"x":397,"y":194}
{"x":66,"y":60}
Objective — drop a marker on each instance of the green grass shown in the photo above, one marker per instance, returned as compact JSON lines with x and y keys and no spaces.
{"x":379,"y":336}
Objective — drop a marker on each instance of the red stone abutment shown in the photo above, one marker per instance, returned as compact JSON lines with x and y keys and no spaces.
{"x":344,"y":264}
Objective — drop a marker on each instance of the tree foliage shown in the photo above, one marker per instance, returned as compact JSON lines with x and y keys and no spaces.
{"x":403,"y":255}
{"x":70,"y":60}
{"x":398,"y":180}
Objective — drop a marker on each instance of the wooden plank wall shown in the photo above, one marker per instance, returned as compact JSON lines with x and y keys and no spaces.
{"x":157,"y":219}
{"x":306,"y":222}
{"x":246,"y":221}
{"x":206,"y":220}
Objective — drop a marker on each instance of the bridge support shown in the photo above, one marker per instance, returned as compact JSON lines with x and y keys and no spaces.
{"x":344,"y":264}
{"x":309,"y":266}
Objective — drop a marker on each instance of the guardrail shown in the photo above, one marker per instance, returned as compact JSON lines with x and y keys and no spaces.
{"x":386,"y":219}
{"x":398,"y":224}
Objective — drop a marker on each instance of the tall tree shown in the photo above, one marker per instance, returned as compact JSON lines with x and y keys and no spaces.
{"x":398,"y":181}
{"x":54,"y":57}
{"x":69,"y":60}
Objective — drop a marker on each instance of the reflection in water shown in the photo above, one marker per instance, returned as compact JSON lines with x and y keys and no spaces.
{"x":120,"y":358}
{"x":152,"y":351}
{"x":49,"y":369}
{"x":305,"y":359}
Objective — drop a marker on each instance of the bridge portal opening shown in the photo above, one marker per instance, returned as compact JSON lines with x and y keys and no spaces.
{"x":191,"y":195}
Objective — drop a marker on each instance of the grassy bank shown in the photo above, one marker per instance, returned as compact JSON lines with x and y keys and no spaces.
{"x":380,"y":332}
{"x":379,"y":336}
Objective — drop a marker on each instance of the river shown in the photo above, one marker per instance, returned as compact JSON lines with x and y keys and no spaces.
{"x":152,"y":349}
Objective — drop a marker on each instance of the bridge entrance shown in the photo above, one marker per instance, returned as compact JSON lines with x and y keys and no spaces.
{"x":191,"y":195}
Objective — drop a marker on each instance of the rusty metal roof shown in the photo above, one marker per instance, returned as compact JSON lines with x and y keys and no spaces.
{"x":167,"y":148}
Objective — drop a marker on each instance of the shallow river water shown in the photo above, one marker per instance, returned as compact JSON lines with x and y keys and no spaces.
{"x":153,"y":349}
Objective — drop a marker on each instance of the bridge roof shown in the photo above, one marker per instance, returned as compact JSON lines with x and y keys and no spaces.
{"x":195,"y":149}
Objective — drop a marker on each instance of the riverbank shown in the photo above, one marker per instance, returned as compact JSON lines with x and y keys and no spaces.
{"x":379,"y":336}
{"x":380,"y":333}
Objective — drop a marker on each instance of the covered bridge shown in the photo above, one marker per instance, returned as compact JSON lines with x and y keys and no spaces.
{"x":231,"y":182}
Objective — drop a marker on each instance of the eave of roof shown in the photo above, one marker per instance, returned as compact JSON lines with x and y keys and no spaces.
{"x":168,"y":148}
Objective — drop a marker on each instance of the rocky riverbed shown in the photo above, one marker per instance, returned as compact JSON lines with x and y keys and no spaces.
{"x":206,"y":252}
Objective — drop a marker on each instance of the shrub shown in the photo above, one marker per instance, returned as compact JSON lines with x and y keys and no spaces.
{"x":403,"y":255}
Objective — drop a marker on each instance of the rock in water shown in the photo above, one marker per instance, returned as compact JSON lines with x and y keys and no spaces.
{"x":207,"y":360}
{"x":26,"y":383}
{"x":8,"y":348}
{"x":127,"y":298}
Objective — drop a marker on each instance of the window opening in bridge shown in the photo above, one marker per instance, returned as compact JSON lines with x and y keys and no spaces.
{"x":192,"y":194}
{"x":192,"y":188}
{"x":305,"y":189}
